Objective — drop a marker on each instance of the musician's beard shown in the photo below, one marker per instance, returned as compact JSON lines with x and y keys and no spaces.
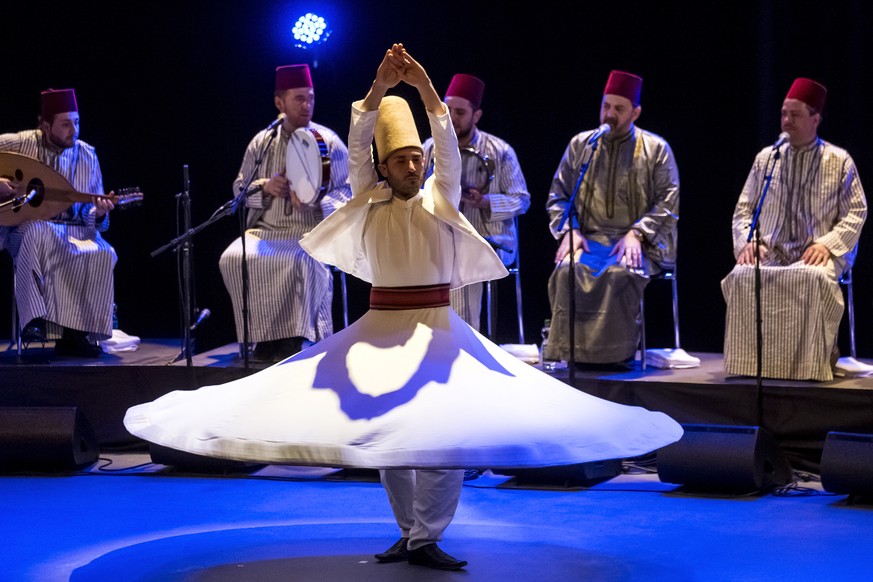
{"x":464,"y":134}
{"x":62,"y":144}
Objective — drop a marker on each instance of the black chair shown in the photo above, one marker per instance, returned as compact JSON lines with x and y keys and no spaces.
{"x":664,"y":275}
{"x":491,"y":299}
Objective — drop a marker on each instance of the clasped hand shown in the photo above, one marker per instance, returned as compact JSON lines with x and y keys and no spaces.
{"x":398,"y":65}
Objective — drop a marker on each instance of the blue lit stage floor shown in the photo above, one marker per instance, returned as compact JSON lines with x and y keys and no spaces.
{"x":137,"y":522}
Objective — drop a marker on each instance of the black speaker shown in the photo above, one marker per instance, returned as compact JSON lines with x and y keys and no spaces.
{"x":847,"y":463}
{"x":723,"y":458}
{"x":192,"y":463}
{"x":45,"y":438}
{"x":562,"y":476}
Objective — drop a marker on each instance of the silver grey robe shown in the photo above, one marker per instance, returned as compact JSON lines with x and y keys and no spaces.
{"x":632,"y":181}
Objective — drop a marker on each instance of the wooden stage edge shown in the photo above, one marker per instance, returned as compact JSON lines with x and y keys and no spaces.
{"x":799,"y":415}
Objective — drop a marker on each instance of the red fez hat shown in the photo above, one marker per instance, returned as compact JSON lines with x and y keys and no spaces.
{"x":625,"y":85}
{"x":467,"y":86}
{"x":54,"y":101}
{"x":810,"y":92}
{"x":292,"y":77}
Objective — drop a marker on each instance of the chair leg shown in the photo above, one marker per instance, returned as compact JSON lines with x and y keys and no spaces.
{"x":489,"y":309}
{"x":850,"y":289}
{"x":643,"y":332}
{"x":675,"y":285}
{"x":518,"y":305}
{"x":345,"y":295}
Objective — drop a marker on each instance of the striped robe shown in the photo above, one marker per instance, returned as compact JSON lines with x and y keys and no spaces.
{"x":815,"y":196}
{"x":290,"y":293}
{"x":63,"y":266}
{"x":509,"y":197}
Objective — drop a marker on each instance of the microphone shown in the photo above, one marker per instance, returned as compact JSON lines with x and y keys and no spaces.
{"x":22,"y":200}
{"x":204,"y":315}
{"x":783,"y":137}
{"x":276,"y":123}
{"x":599,"y":132}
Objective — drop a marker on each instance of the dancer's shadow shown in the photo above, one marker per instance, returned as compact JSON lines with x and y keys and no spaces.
{"x":444,"y":347}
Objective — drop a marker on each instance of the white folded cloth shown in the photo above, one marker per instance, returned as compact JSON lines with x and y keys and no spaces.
{"x":529,"y":353}
{"x":852,"y":368}
{"x":120,"y":342}
{"x":671,"y":358}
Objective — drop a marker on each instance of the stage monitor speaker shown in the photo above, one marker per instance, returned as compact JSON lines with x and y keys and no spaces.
{"x":45,"y":438}
{"x":731,"y":459}
{"x":847,"y":464}
{"x":192,"y":463}
{"x":563,"y":476}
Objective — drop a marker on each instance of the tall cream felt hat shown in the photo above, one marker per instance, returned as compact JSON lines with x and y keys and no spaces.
{"x":395,"y":127}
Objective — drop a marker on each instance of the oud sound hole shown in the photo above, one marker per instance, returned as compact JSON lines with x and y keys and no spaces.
{"x":36,"y":184}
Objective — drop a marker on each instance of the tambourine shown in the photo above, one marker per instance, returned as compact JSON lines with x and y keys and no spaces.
{"x":307,"y":165}
{"x":477,"y":170}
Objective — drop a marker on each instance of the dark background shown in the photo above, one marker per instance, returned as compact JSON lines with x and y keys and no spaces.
{"x":163,"y":84}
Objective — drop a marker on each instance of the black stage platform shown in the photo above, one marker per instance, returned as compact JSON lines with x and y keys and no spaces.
{"x":799,"y":415}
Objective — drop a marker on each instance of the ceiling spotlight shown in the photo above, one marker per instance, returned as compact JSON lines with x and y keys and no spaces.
{"x":309,"y":30}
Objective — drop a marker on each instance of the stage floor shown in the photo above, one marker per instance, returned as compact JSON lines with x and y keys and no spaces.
{"x":125,"y":518}
{"x":168,"y":352}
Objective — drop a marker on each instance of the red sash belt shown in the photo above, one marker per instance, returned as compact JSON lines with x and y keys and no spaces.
{"x":416,"y":297}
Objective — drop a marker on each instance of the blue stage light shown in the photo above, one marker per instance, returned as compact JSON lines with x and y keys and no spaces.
{"x":310,"y":30}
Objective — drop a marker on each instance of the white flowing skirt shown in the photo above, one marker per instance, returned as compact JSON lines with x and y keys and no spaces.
{"x":401,"y":389}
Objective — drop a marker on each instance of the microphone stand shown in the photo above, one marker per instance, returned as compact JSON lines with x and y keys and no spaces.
{"x":17,"y":202}
{"x":571,"y":214}
{"x":186,"y":291}
{"x":183,"y":239}
{"x":187,"y":288}
{"x":226,"y":209}
{"x":244,"y":193}
{"x":754,"y":233}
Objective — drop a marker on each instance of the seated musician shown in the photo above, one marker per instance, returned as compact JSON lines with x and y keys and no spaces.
{"x":63,"y":267}
{"x":490,"y":209}
{"x":290,"y":294}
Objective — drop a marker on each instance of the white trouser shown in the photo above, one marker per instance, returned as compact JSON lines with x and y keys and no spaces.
{"x":423,"y":501}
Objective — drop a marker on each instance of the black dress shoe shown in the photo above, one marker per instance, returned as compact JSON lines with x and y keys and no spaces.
{"x":34,"y":331}
{"x":396,"y":553}
{"x":625,"y":366}
{"x":75,"y":343}
{"x":263,"y":352}
{"x":431,"y":556}
{"x":277,"y":350}
{"x":471,"y":474}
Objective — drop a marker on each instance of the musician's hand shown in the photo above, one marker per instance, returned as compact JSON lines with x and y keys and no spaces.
{"x":8,"y":188}
{"x":475,"y":198}
{"x":629,"y":248}
{"x":103,"y":204}
{"x":580,"y":246}
{"x":747,"y":255}
{"x":278,"y":186}
{"x":816,"y":255}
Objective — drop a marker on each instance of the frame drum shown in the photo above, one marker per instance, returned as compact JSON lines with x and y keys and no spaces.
{"x":307,"y":165}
